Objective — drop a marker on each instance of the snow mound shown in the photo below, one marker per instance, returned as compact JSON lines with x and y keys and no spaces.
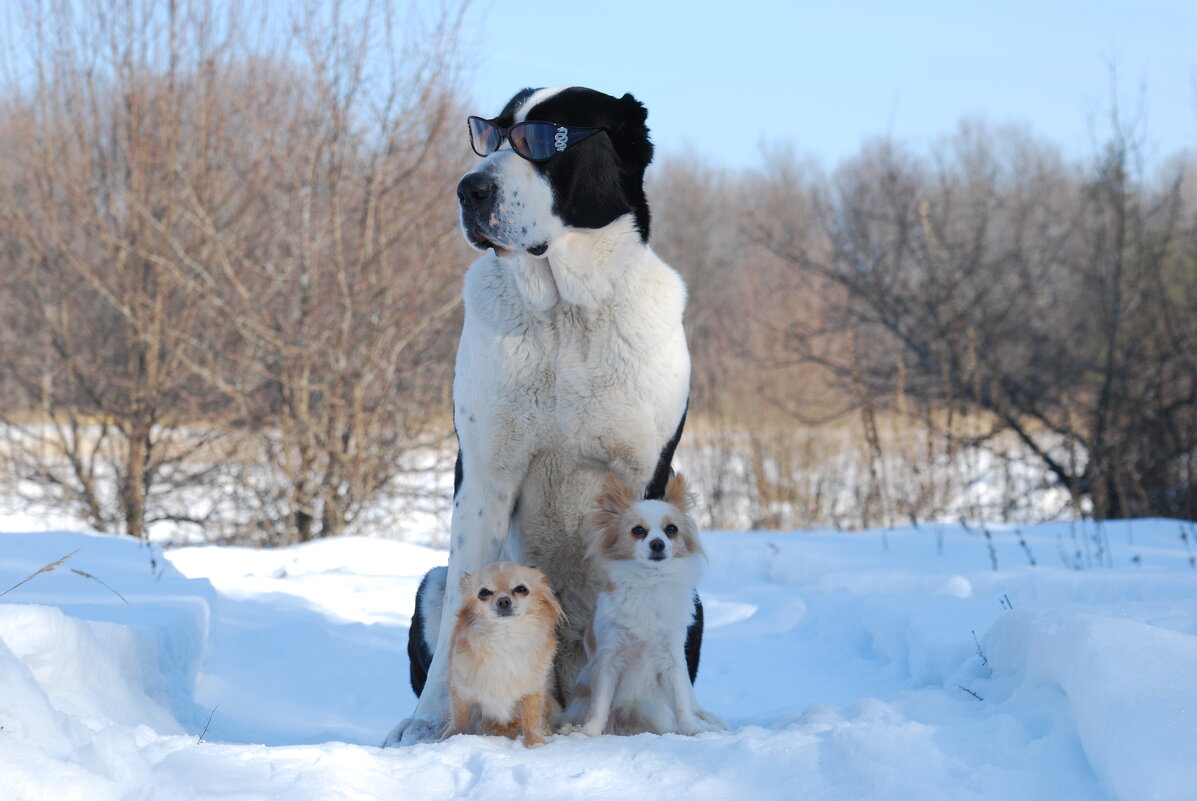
{"x":1129,"y":689}
{"x":940,"y":662}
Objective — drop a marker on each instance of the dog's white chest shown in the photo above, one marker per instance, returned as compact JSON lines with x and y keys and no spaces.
{"x":566,"y":373}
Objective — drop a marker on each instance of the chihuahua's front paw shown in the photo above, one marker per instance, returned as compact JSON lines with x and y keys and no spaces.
{"x":533,"y":739}
{"x":590,"y":729}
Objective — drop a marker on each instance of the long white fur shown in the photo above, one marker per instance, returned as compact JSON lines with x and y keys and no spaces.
{"x":571,"y":365}
{"x":636,"y":679}
{"x":637,"y":676}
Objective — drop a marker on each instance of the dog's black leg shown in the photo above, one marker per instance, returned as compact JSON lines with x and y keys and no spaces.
{"x":694,"y":640}
{"x":425,"y":622}
{"x":656,"y":486}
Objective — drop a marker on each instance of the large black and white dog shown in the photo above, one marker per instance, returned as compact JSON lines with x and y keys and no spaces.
{"x":572,"y":362}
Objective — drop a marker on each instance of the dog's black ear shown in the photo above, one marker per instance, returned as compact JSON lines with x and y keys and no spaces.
{"x":635,"y":110}
{"x":631,"y":135}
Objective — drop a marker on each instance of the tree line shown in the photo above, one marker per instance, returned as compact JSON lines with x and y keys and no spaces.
{"x":230,"y":274}
{"x":989,"y":293}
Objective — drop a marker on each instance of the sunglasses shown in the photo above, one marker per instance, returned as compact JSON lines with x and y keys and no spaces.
{"x":533,"y":139}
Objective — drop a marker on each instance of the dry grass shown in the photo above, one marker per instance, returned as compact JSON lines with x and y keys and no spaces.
{"x":790,"y":476}
{"x":49,"y":568}
{"x":771,"y":475}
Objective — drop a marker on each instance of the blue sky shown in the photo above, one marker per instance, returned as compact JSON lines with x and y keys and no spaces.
{"x":821,"y":77}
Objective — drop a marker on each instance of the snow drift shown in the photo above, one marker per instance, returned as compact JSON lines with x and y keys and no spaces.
{"x":932,"y":663}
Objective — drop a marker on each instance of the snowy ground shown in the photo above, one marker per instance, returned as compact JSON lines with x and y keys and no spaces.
{"x":845,"y":665}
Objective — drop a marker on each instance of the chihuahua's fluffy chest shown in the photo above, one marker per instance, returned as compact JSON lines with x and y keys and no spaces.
{"x":497,"y":661}
{"x":641,"y":617}
{"x":502,"y":653}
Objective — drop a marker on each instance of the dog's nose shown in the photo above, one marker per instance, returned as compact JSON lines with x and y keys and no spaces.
{"x":504,"y":603}
{"x":474,"y":189}
{"x":656,"y":546}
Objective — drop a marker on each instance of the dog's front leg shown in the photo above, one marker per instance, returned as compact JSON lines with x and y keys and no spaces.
{"x":602,"y":695}
{"x":481,"y":519}
{"x":459,"y":717}
{"x":685,"y":702}
{"x":532,"y":719}
{"x":691,"y":717}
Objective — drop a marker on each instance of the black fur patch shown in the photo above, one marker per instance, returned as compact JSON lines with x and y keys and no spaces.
{"x":602,"y":178}
{"x":655,"y":490}
{"x":417,"y":649}
{"x":694,"y":640}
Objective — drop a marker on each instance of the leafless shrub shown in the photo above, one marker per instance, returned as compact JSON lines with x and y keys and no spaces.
{"x":225,"y":264}
{"x":1052,"y":303}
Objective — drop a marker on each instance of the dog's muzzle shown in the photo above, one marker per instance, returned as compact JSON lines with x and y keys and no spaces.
{"x":489,"y":219}
{"x":476,"y":193}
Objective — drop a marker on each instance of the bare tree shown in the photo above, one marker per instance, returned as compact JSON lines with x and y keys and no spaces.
{"x":334,"y":272}
{"x":97,"y":134}
{"x":995,"y":280}
{"x":227,"y":240}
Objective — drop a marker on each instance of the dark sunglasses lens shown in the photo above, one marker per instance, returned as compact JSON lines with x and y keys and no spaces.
{"x":537,"y":140}
{"x":484,"y":136}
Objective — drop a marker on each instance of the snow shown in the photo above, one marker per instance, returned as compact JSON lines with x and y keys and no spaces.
{"x":892,"y":664}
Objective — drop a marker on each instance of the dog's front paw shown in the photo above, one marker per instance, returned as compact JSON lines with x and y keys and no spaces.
{"x":712,"y":722}
{"x":699,"y":723}
{"x":413,"y":731}
{"x":702,"y":727}
{"x":592,"y":728}
{"x":533,"y":739}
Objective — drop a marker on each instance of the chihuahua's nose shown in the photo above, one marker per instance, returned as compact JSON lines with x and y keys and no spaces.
{"x":656,"y":546}
{"x":503,"y":604}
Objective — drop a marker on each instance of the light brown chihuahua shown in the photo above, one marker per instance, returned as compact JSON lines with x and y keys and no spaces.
{"x":501,"y":658}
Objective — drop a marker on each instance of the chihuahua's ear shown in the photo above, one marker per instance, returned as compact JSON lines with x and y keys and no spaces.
{"x":548,"y":598}
{"x":616,"y":496}
{"x":465,"y":583}
{"x":677,"y":493}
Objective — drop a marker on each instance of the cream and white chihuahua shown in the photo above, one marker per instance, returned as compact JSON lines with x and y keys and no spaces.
{"x":502,"y":651}
{"x":648,"y":560}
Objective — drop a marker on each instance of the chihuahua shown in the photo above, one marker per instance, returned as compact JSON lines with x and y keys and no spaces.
{"x":648,"y":559}
{"x":501,"y":658}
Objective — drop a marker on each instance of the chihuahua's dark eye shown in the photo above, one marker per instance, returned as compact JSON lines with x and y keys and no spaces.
{"x":639,"y":531}
{"x":484,"y":593}
{"x":520,"y":590}
{"x":671,"y":530}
